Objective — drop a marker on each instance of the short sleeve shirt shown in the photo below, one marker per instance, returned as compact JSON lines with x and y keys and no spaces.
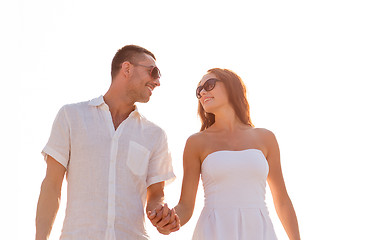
{"x":108,"y":170}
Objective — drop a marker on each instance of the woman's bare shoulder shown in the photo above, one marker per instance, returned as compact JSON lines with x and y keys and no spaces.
{"x":196,"y":139}
{"x":268,"y":139}
{"x":263,"y":132}
{"x":265,"y":135}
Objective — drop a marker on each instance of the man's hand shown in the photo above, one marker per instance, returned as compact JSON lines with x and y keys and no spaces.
{"x":158,"y":214}
{"x":164,"y":219}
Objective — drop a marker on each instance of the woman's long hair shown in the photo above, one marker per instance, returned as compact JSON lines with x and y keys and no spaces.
{"x":237,"y":96}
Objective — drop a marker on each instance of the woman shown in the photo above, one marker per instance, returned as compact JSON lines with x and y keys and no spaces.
{"x":234,"y":160}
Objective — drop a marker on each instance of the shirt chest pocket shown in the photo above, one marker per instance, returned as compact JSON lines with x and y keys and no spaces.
{"x":138,"y":158}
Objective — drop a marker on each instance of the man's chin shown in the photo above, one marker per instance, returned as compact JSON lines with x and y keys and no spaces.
{"x":144,"y":100}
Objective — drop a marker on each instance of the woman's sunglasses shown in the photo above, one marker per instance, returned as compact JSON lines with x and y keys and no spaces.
{"x":154,"y":72}
{"x":208,"y":86}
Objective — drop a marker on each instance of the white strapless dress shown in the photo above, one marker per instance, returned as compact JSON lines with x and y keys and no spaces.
{"x":234,"y":183}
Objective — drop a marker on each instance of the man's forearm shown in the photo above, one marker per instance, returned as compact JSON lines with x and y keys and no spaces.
{"x":154,"y":202}
{"x":47,"y":208}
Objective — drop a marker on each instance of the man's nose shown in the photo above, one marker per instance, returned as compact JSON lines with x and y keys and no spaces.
{"x":157,"y":82}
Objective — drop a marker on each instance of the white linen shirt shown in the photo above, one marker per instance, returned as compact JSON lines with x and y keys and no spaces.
{"x":108,"y":170}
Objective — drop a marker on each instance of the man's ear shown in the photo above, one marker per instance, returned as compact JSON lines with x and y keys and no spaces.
{"x":125,"y":68}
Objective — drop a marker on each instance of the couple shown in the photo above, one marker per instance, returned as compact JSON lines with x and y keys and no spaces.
{"x":117,"y":162}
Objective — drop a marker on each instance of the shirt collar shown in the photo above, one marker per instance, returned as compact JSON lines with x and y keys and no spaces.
{"x":96,"y":102}
{"x":135,"y":112}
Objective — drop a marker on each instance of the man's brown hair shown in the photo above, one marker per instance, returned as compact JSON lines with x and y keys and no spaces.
{"x":131,"y":53}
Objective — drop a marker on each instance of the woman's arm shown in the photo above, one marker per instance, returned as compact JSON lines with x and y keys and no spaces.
{"x":184,"y":209}
{"x":192,"y":171}
{"x":281,"y":199}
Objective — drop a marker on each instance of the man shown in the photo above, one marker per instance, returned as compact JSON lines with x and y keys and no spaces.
{"x":116,"y":161}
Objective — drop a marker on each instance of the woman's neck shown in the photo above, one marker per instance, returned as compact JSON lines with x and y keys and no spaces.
{"x":227,"y":120}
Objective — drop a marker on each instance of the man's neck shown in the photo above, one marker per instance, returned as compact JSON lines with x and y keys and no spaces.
{"x":119,"y":108}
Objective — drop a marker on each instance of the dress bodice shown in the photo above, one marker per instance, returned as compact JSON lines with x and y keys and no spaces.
{"x":235,"y":177}
{"x":234,"y":183}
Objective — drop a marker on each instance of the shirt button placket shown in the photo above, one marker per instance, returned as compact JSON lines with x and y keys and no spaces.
{"x":111,"y":184}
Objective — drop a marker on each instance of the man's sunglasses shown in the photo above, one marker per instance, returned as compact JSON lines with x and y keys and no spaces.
{"x":208,"y":86}
{"x":154,"y":72}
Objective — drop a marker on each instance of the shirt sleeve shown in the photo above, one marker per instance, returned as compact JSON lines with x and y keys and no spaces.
{"x":160,"y":165}
{"x":58,"y":145}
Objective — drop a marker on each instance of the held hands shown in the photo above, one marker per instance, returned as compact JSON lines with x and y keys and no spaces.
{"x":164,"y":219}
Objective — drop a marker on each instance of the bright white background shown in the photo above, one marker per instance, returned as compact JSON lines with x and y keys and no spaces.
{"x":310,"y":68}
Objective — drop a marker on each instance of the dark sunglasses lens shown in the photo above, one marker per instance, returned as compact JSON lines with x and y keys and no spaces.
{"x":198,"y":92}
{"x":209,"y":85}
{"x":155,"y":73}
